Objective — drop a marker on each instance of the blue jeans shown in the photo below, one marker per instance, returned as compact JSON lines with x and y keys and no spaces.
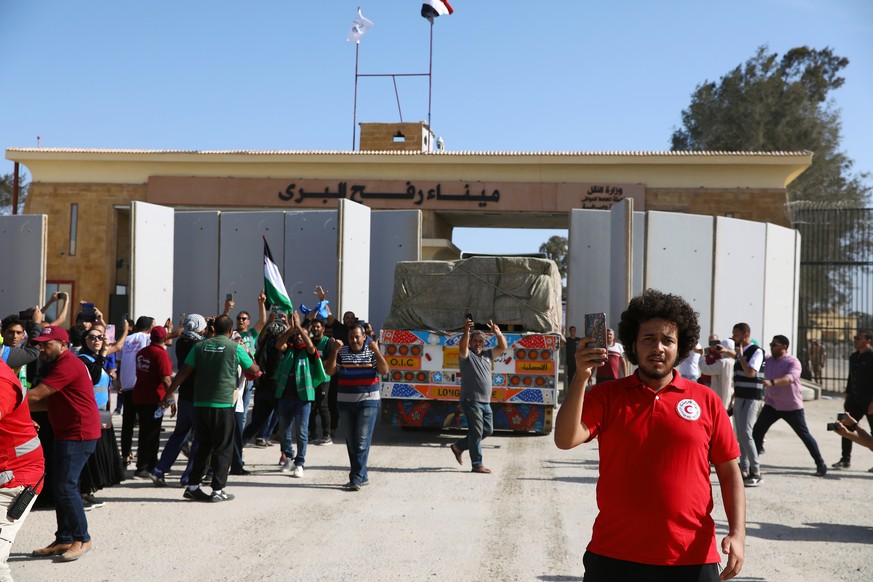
{"x":294,"y":416}
{"x":358,"y":421}
{"x":68,"y":460}
{"x":796,"y":419}
{"x":480,"y":424}
{"x":184,"y":424}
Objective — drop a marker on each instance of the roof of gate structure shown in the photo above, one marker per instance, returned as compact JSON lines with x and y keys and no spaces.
{"x":533,"y":185}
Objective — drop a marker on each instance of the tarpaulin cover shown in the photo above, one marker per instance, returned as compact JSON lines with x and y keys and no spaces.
{"x":436,"y":295}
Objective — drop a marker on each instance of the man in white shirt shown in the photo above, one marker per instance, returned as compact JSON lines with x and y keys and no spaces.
{"x":134,"y":343}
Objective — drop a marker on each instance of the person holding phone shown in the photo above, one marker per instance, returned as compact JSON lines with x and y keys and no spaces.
{"x":658,"y":433}
{"x":476,"y":364}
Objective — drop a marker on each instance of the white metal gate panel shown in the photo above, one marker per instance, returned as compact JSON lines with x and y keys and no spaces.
{"x":588,"y":268}
{"x":679,"y":259}
{"x":738,"y":287}
{"x":151,"y":264}
{"x":311,"y":256}
{"x":22,"y":262}
{"x":195,"y":262}
{"x":395,"y":236}
{"x":241,"y":257}
{"x":779,"y":284}
{"x":354,"y":259}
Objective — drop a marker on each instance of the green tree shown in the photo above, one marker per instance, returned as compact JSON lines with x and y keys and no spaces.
{"x":6,"y":183}
{"x":779,"y":104}
{"x":556,"y":249}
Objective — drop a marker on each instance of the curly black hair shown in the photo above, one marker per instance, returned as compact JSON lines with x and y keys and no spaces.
{"x":653,"y":304}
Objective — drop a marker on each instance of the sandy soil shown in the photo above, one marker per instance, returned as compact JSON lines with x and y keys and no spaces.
{"x":425,"y":518}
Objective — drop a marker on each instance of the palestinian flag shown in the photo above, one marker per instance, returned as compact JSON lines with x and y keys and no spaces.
{"x":430,"y":9}
{"x":274,"y":287}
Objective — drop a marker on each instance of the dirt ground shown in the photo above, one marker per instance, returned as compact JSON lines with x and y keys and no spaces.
{"x":425,"y":518}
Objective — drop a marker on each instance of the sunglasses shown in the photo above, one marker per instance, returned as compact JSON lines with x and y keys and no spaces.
{"x":242,"y":318}
{"x":95,"y":337}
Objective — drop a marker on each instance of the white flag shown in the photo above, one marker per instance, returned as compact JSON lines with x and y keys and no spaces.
{"x":360,"y":25}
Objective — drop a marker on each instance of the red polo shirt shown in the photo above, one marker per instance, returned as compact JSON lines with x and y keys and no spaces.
{"x":72,"y":410}
{"x":654,"y":491}
{"x":152,"y":364}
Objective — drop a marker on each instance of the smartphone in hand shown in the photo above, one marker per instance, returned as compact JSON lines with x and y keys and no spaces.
{"x":595,"y":327}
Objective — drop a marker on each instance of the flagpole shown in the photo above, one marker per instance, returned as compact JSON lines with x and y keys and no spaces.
{"x":430,"y":77}
{"x":355,"y":107}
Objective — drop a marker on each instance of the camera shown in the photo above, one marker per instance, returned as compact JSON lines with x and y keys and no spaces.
{"x":26,"y":315}
{"x":841,"y":417}
{"x":468,"y":316}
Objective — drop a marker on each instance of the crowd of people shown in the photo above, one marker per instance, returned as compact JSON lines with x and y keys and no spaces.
{"x":309,"y":373}
{"x":671,"y":418}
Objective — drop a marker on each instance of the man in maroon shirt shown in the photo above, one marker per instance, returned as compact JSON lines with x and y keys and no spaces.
{"x":154,"y":373}
{"x":66,"y":391}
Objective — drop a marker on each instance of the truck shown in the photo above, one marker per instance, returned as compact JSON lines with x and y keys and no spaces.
{"x":420,"y":340}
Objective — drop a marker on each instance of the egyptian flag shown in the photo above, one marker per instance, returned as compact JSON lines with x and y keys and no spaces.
{"x":274,"y":287}
{"x":430,"y":9}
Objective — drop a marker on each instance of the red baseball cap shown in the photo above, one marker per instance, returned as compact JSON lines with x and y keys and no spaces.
{"x":159,"y":333}
{"x":53,"y":332}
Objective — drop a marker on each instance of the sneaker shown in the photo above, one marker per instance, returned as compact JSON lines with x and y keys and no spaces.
{"x":365,"y":482}
{"x":158,"y":480}
{"x":870,"y":470}
{"x":240,"y":472}
{"x":842,"y":464}
{"x":325,"y":441}
{"x":752,"y":480}
{"x":219,"y":496}
{"x":822,"y":471}
{"x":351,"y":486}
{"x":142,"y":473}
{"x":197,"y":495}
{"x":93,"y":501}
{"x":262,"y":443}
{"x":287,"y":466}
{"x":298,"y":471}
{"x":86,"y":505}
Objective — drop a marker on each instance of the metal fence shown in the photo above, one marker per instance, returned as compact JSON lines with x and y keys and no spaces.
{"x":836,"y":287}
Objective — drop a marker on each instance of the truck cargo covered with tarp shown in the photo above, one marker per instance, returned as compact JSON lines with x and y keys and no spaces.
{"x":511,"y":291}
{"x":421,"y":336}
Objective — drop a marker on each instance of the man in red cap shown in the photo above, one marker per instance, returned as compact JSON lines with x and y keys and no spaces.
{"x":65,"y":390}
{"x":154,"y":373}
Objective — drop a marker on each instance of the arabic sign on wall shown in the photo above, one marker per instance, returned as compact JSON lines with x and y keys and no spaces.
{"x":391,"y":194}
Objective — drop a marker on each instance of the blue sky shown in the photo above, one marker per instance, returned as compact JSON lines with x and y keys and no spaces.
{"x":269,"y":74}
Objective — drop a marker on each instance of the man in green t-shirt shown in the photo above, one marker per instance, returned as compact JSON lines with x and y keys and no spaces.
{"x":217,"y":361}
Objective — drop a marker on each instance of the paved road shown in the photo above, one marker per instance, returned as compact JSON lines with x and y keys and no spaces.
{"x":425,"y":518}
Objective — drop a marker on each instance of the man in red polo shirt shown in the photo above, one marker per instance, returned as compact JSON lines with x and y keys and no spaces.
{"x":21,"y":460}
{"x":154,"y":373}
{"x":658,"y":434}
{"x":66,"y":391}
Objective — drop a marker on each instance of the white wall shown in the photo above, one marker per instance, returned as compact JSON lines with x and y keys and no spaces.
{"x":241,"y":257}
{"x":588,"y":266}
{"x":738,"y":291}
{"x":780,"y":307}
{"x":679,"y":259}
{"x":354,"y":260}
